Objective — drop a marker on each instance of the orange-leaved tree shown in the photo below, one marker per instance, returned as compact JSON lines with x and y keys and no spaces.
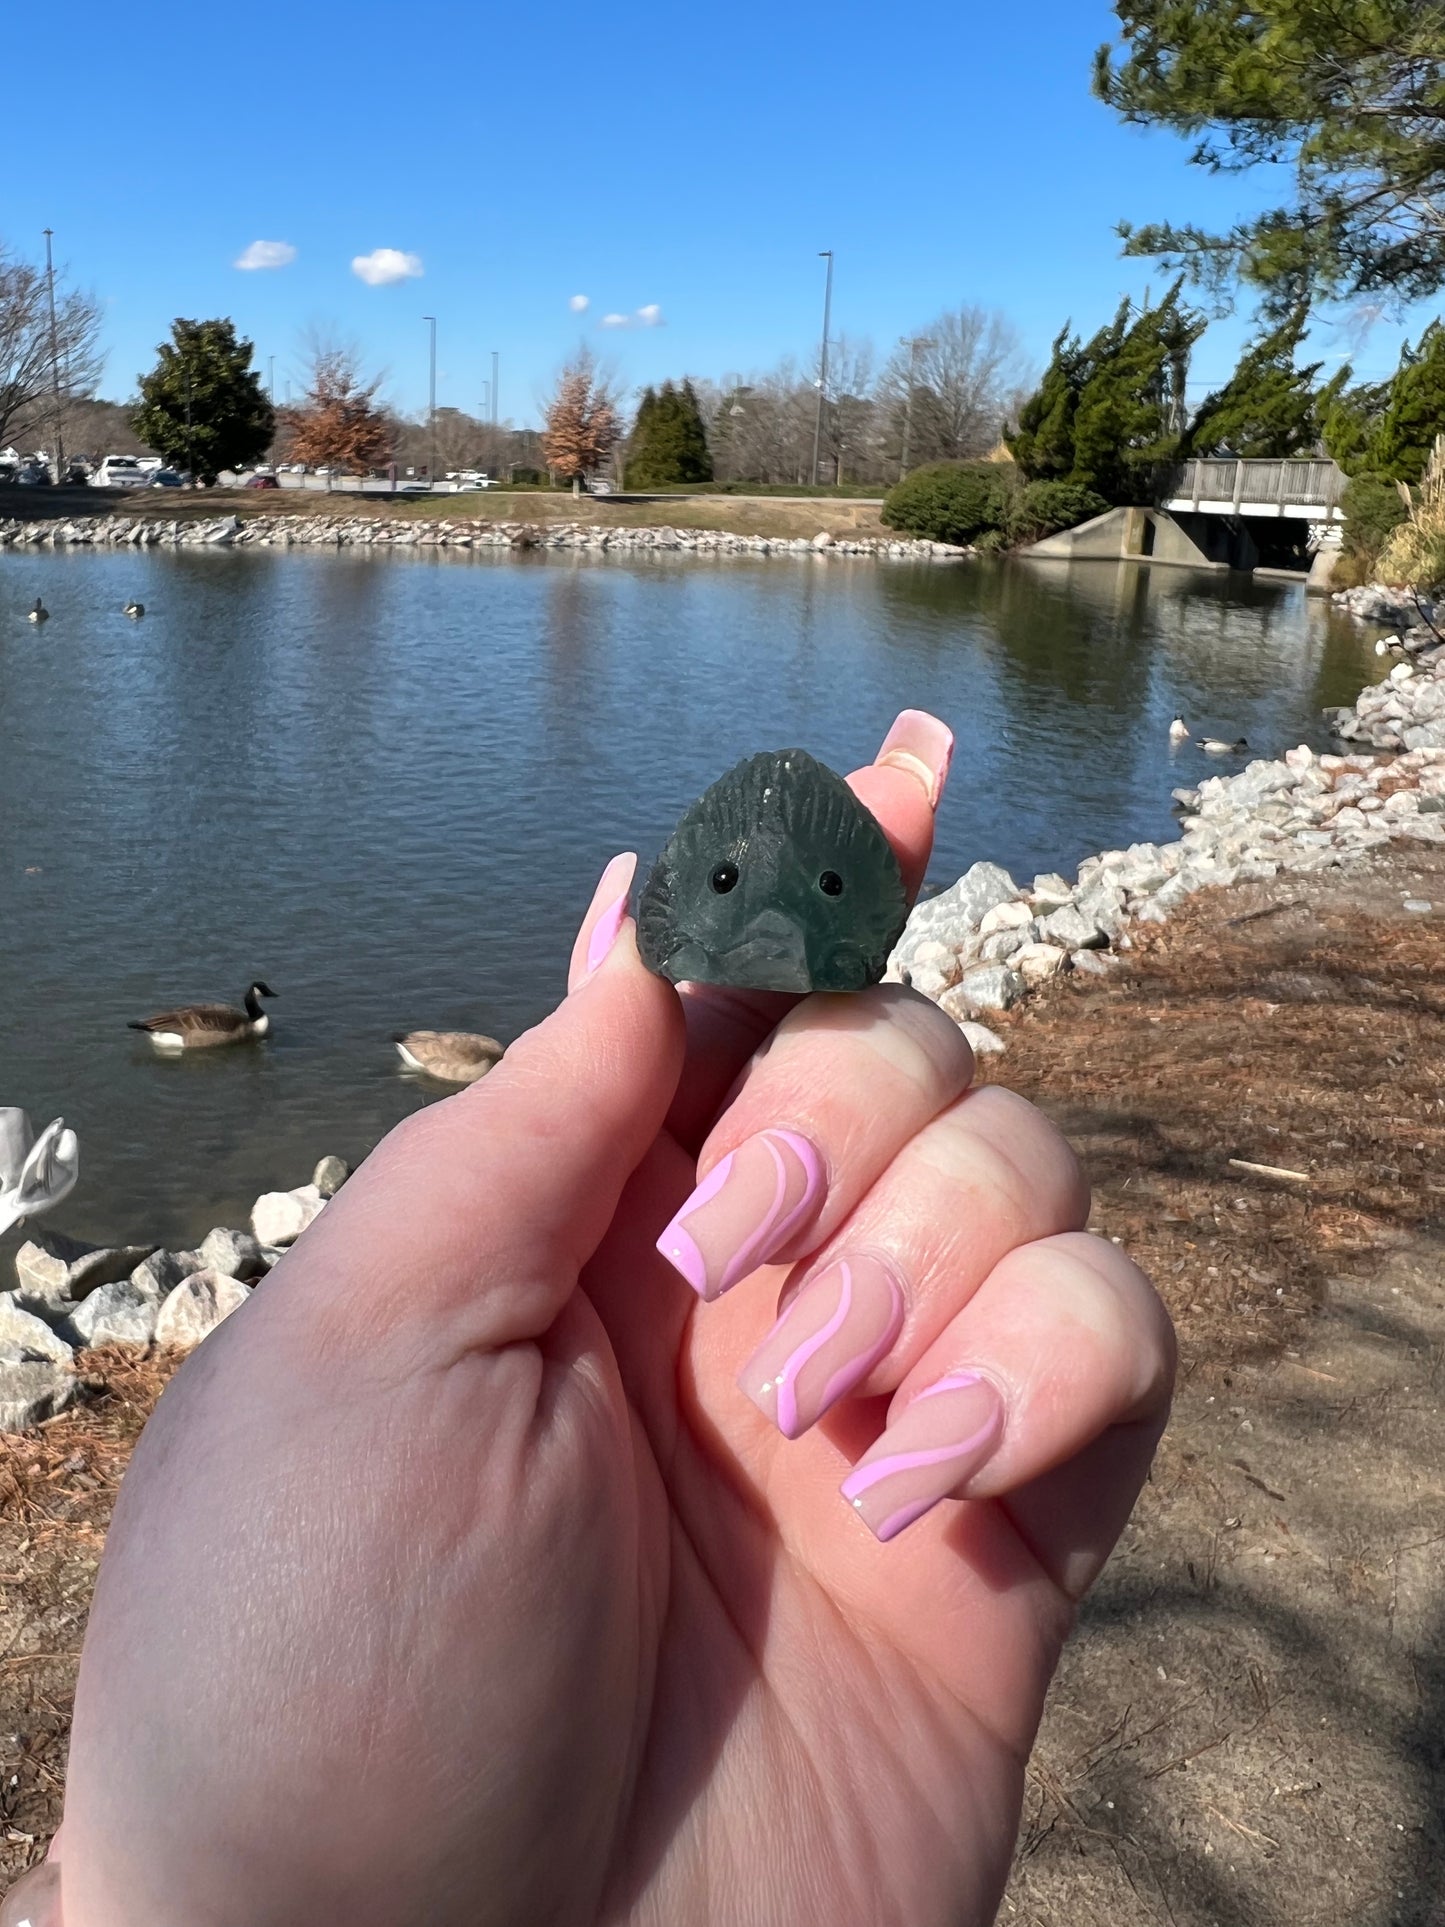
{"x":338,"y":423}
{"x":583,"y":424}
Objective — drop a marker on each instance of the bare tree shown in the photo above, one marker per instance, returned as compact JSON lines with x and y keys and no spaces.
{"x":968,"y":367}
{"x":339,"y":422}
{"x":41,"y":374}
{"x":583,"y":421}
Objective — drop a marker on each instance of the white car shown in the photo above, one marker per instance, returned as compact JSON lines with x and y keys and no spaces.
{"x":122,"y":471}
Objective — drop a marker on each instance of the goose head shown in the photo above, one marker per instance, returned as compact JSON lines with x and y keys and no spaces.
{"x":35,"y":1172}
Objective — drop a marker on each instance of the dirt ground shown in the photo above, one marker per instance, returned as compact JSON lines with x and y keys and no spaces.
{"x":735,"y":514}
{"x":1248,"y":1729}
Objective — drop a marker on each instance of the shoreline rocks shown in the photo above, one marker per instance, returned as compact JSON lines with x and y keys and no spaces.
{"x":70,"y":1298}
{"x":378,"y":533}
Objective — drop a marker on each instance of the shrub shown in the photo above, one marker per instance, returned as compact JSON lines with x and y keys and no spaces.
{"x":951,"y":501}
{"x":1043,"y":508}
{"x":1373,"y":510}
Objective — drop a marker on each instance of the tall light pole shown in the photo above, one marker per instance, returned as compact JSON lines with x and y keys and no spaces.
{"x":431,"y":445}
{"x":494,"y":387}
{"x":824,"y":254}
{"x":271,"y":380}
{"x":59,"y":475}
{"x":912,"y":344}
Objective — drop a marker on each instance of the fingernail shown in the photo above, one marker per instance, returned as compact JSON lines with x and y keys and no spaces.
{"x":609,"y":901}
{"x":935,"y":1444}
{"x":745,"y":1210}
{"x":841,"y":1322}
{"x":922,"y":745}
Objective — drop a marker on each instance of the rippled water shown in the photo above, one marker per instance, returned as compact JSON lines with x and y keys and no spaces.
{"x":387,"y":785}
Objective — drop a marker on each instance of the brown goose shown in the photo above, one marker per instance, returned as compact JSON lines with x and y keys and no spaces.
{"x":203,"y":1026}
{"x":452,"y":1056}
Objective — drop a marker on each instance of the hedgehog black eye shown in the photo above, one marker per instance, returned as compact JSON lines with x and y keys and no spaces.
{"x":831,"y":884}
{"x":724,"y":876}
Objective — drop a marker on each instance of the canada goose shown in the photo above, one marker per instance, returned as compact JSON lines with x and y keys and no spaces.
{"x":452,"y":1056}
{"x":39,"y":613}
{"x":1179,"y":730}
{"x":1213,"y":747}
{"x":135,"y":610}
{"x":202,"y":1026}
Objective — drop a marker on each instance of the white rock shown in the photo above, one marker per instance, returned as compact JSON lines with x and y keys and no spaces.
{"x":162,"y":1272}
{"x":1005,"y":916}
{"x":24,"y":1336}
{"x":1038,"y":961}
{"x":1051,"y":892}
{"x":932,"y":979}
{"x":1073,"y":930}
{"x":32,"y":1390}
{"x":120,"y":1314}
{"x":1002,"y":945}
{"x":56,"y":1271}
{"x":197,"y":1306}
{"x":982,"y":1041}
{"x":279,"y":1217}
{"x":992,"y":987}
{"x":958,"y":911}
{"x":1090,"y":964}
{"x":236,"y":1253}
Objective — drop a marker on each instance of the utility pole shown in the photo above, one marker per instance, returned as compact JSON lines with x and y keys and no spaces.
{"x":271,"y":380}
{"x":190,"y":459}
{"x":431,"y":445}
{"x":913,"y":345}
{"x":59,"y":476}
{"x":494,"y":388}
{"x":824,"y":254}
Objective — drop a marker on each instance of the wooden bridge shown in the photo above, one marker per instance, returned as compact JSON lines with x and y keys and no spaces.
{"x":1307,"y":491}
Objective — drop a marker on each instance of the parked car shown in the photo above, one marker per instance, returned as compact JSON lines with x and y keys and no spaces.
{"x":167,"y":478}
{"x":597,"y":486}
{"x":33,"y":475}
{"x":122,"y":471}
{"x":260,"y":481}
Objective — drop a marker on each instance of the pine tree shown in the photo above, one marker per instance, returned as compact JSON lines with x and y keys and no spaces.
{"x":1043,"y":445}
{"x":1129,"y":423}
{"x":202,"y":405}
{"x":668,"y":445}
{"x":1268,"y":409}
{"x":1351,"y":423}
{"x":1415,"y":412}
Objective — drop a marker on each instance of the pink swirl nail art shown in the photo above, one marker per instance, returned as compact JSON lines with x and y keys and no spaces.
{"x":940,"y":1440}
{"x":745,"y":1210}
{"x":841,"y":1322}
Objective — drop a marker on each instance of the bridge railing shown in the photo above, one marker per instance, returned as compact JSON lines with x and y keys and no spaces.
{"x":1300,"y":484}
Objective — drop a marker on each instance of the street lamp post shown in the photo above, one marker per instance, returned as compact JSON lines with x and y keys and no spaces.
{"x":271,"y":380}
{"x":59,"y":475}
{"x":431,"y":434}
{"x":913,"y":345}
{"x":494,"y":387}
{"x":824,"y":254}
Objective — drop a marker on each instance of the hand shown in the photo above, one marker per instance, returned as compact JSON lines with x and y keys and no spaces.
{"x":456,"y":1580}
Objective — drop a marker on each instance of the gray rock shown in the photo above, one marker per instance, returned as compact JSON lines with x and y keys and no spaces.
{"x":932,"y":979}
{"x":197,"y":1306}
{"x":329,"y":1176}
{"x":24,"y":1336}
{"x":982,"y":1041}
{"x":120,"y":1314}
{"x":960,"y":908}
{"x":279,"y":1217}
{"x":1013,"y":915}
{"x":32,"y":1390}
{"x":1037,"y":961}
{"x":991,"y":987}
{"x":236,"y":1253}
{"x":1001,"y":945}
{"x":162,"y":1272}
{"x":1089,"y":963}
{"x":58,"y":1272}
{"x":1071,"y":929}
{"x":1051,"y":892}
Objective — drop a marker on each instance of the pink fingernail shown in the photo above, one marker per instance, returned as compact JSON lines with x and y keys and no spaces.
{"x":744,"y":1211}
{"x":839,"y":1325}
{"x":921,"y":744}
{"x":933,"y":1446}
{"x":612,"y":892}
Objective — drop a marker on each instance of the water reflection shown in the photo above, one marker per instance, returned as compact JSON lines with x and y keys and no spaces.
{"x":386,"y":784}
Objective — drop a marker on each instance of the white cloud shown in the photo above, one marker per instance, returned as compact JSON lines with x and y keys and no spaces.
{"x":267,"y":254}
{"x":650,"y":316}
{"x":579,"y":303}
{"x":385,"y":265}
{"x":616,"y":321}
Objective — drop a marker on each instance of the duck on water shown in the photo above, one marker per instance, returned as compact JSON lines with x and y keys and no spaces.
{"x":204,"y":1026}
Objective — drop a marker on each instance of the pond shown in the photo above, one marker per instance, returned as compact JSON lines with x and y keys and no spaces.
{"x":387,"y":784}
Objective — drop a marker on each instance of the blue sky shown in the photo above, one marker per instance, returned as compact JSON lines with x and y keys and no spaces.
{"x":690,"y":160}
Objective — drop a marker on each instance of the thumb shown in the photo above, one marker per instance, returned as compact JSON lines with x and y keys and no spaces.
{"x":482,"y":1209}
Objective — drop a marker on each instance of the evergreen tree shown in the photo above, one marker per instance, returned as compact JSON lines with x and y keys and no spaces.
{"x":1415,"y":412}
{"x":1043,"y":444}
{"x":1268,"y":409}
{"x":668,"y":445}
{"x":1351,"y":423}
{"x":1129,"y":427}
{"x":202,"y":405}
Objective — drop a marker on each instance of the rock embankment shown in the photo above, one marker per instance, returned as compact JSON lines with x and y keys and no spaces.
{"x":1407,"y":710}
{"x":70,"y":1298}
{"x":377,"y":532}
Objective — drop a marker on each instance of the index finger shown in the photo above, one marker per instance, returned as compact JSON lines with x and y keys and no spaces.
{"x":902,"y":787}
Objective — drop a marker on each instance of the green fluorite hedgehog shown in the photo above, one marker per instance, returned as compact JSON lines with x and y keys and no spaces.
{"x":777,"y":878}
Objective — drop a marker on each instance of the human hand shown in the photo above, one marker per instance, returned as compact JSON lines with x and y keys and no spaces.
{"x":455,"y":1580}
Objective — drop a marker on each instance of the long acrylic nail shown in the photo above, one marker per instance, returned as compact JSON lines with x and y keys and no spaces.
{"x":936,"y":1443}
{"x":609,"y":901}
{"x":840,"y":1323}
{"x":744,"y":1211}
{"x":921,"y":744}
